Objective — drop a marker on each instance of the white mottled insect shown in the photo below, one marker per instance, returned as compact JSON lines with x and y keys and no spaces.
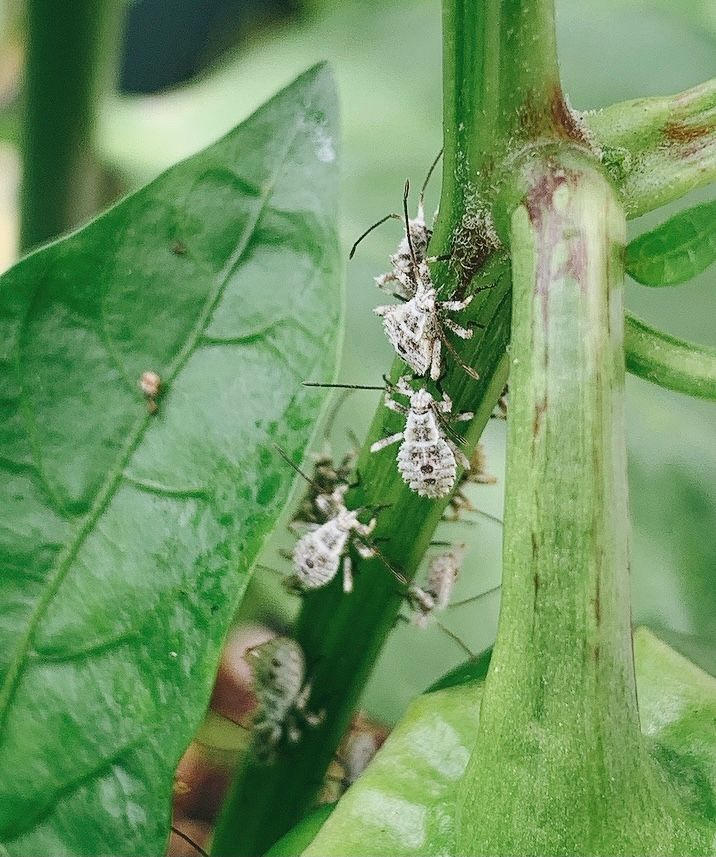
{"x":328,"y":474}
{"x":315,"y":507}
{"x":427,"y":457}
{"x":279,"y":669}
{"x":443,"y":572}
{"x":323,"y":549}
{"x":416,"y":328}
{"x":400,"y":280}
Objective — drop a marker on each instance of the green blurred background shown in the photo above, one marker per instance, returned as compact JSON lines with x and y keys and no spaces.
{"x":203,"y":67}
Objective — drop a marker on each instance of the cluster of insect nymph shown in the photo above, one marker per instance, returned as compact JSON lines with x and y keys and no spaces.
{"x":429,"y":460}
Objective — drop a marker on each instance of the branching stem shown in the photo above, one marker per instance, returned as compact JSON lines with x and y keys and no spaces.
{"x":501,"y":93}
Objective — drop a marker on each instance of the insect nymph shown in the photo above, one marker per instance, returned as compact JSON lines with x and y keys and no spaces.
{"x":415,"y":328}
{"x":279,"y":669}
{"x":328,"y":474}
{"x":427,"y":457}
{"x":400,"y":281}
{"x":324,"y":548}
{"x":413,"y":246}
{"x":435,"y":596}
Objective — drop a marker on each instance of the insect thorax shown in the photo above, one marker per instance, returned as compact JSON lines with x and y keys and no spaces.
{"x":422,"y":428}
{"x":442,"y":574}
{"x":412,"y":333}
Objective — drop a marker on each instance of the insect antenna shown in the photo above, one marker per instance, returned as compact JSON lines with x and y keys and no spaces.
{"x":353,"y":438}
{"x":401,"y":578}
{"x":316,"y":487}
{"x":468,"y":369}
{"x":333,"y":413}
{"x":406,"y":191}
{"x":449,"y":430}
{"x":341,"y":386}
{"x":429,"y":175}
{"x":454,"y":637}
{"x":472,"y":598}
{"x":490,"y":517}
{"x":378,"y":223}
{"x":190,"y":841}
{"x":480,"y":512}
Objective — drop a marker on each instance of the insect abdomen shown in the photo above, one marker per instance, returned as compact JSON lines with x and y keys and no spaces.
{"x":428,"y":468}
{"x":317,"y":555}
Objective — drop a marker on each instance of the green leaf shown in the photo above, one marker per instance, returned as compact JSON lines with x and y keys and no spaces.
{"x":474,"y":669}
{"x":301,"y":836}
{"x":127,"y":537}
{"x":676,"y":251}
{"x":404,"y":803}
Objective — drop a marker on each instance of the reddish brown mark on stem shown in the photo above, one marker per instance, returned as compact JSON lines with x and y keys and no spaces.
{"x":682,"y":132}
{"x":540,"y":409}
{"x":564,"y":120}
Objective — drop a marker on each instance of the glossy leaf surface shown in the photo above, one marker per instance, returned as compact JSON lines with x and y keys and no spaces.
{"x":678,"y":250}
{"x":404,"y":804}
{"x":127,"y":535}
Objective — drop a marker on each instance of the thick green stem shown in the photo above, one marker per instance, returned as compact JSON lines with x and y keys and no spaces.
{"x":64,"y":52}
{"x":501,"y":89}
{"x":668,"y":361}
{"x":559,"y":766}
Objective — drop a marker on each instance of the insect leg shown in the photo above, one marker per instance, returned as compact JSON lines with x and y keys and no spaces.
{"x":386,"y":441}
{"x":313,"y":718}
{"x":366,"y":529}
{"x":293,"y":733}
{"x":469,"y":370}
{"x":392,"y":405}
{"x":299,"y":527}
{"x":435,"y":360}
{"x":364,"y":551}
{"x":460,"y":456}
{"x":195,"y":845}
{"x":347,"y":574}
{"x":456,"y":306}
{"x":446,"y":405}
{"x":458,"y":330}
{"x":403,"y":386}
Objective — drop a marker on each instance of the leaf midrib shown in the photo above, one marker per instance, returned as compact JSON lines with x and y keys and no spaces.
{"x":114,"y":474}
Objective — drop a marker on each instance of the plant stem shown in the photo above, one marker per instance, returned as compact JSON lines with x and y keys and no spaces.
{"x":500,"y":89}
{"x":668,"y":361}
{"x":658,"y":149}
{"x":64,"y":52}
{"x":494,"y":99}
{"x":559,"y":766}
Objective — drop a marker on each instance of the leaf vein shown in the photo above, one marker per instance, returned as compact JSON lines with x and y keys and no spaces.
{"x":107,"y":491}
